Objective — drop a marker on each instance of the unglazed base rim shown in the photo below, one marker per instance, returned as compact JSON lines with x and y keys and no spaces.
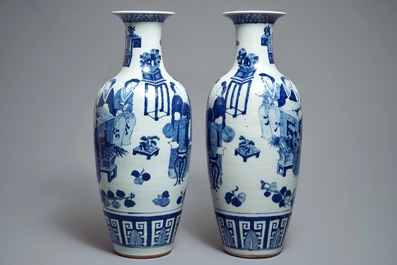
{"x":253,"y":256}
{"x":143,"y":256}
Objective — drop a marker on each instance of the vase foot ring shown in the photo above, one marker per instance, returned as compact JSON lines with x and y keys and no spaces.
{"x":252,"y":256}
{"x":143,"y":256}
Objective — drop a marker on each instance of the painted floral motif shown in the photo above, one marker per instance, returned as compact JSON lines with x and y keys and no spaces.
{"x":283,"y":197}
{"x":162,"y":200}
{"x":112,"y":200}
{"x":181,"y":197}
{"x":140,"y":177}
{"x":235,"y":199}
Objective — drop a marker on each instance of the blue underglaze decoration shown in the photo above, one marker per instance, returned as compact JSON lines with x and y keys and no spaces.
{"x":280,"y":120}
{"x":140,"y":176}
{"x":142,"y":231}
{"x":113,"y":201}
{"x":218,"y":133}
{"x":129,"y":17}
{"x":181,"y":198}
{"x":254,"y":17}
{"x":132,"y":41}
{"x":269,"y":113}
{"x":125,"y":119}
{"x":267,"y":40}
{"x":178,"y":132}
{"x":240,"y":83}
{"x":162,"y":200}
{"x":105,"y":153}
{"x":147,"y":147}
{"x":283,"y":197}
{"x":234,"y":198}
{"x":252,"y":233}
{"x":246,"y":149}
{"x":157,"y":94}
{"x":115,"y":123}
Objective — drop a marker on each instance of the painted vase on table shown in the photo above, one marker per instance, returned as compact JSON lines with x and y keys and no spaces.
{"x":142,"y":135}
{"x":254,"y":135}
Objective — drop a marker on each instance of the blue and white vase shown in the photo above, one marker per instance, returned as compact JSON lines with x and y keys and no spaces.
{"x":142,"y":137}
{"x":254,"y":134}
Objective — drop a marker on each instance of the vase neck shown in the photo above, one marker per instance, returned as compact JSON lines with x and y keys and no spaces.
{"x":254,"y":37}
{"x":254,"y":45}
{"x":143,"y":39}
{"x":143,"y":45}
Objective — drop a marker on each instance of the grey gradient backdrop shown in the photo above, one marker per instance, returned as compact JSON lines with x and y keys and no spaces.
{"x":55,"y":55}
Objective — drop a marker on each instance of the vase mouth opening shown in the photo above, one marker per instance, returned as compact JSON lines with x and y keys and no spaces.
{"x":142,"y":16}
{"x":254,"y":16}
{"x":254,"y":12}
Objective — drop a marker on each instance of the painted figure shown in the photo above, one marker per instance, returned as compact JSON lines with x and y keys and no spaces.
{"x":106,"y":98}
{"x":179,"y":132}
{"x":289,"y":100}
{"x":125,"y":118}
{"x":217,"y":132}
{"x":269,"y":112}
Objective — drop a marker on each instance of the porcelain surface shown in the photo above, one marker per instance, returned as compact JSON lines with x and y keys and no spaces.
{"x":142,"y":142}
{"x":254,"y":133}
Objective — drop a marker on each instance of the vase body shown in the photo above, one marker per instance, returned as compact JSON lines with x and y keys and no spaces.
{"x":142,"y":134}
{"x":254,"y":125}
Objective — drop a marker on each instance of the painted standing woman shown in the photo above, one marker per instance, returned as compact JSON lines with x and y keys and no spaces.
{"x":178,"y":131}
{"x":125,"y":118}
{"x":269,"y":113}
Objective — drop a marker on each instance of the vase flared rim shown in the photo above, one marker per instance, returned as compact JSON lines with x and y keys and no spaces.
{"x":142,"y":16}
{"x":253,"y":16}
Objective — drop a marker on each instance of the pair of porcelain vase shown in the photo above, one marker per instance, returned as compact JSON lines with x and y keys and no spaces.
{"x":143,"y":140}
